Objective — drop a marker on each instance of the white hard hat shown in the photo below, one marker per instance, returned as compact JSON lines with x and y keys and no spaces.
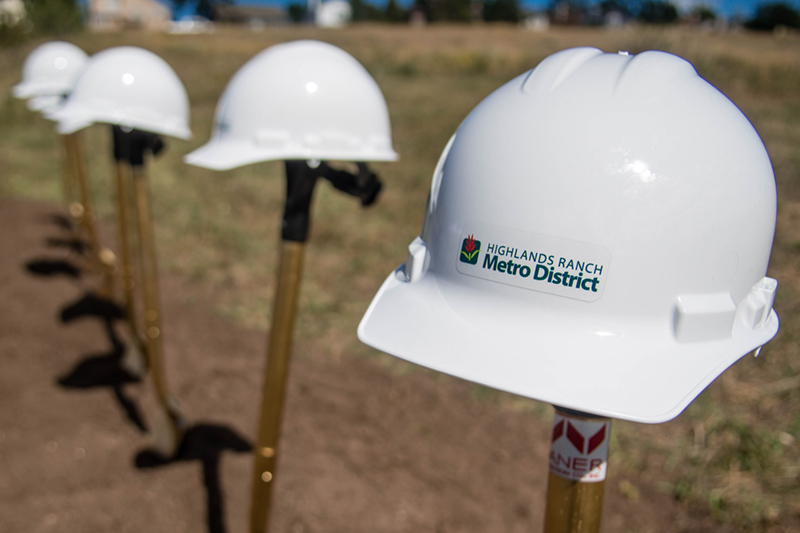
{"x":298,"y":100}
{"x":597,"y":236}
{"x":127,"y":86}
{"x":51,"y":70}
{"x":45,"y":104}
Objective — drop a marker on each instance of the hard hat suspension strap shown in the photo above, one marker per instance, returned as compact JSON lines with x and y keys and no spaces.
{"x":364,"y":185}
{"x":131,"y":145}
{"x":300,"y":181}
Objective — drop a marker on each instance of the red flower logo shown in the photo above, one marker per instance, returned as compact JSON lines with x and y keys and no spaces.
{"x":469,"y":244}
{"x":470,"y":249}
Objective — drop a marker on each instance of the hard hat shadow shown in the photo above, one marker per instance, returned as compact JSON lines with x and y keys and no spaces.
{"x":204,"y":443}
{"x":73,"y":245}
{"x":73,"y":242}
{"x":106,"y":369}
{"x":52,"y":267}
{"x":91,"y":305}
{"x":62,"y":221}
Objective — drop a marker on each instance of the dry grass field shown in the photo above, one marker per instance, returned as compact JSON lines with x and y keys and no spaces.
{"x":735,"y":452}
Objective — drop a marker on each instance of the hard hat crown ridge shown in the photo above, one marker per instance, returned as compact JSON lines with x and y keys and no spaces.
{"x":299,"y":100}
{"x":130,"y":87}
{"x":604,"y":248}
{"x":50,"y":70}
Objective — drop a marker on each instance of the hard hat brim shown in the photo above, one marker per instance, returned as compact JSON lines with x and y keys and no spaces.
{"x":69,"y":126}
{"x":21,"y":91}
{"x":226,"y":155}
{"x":72,"y":118}
{"x":642,"y":375}
{"x":68,"y":121}
{"x":27,"y":90}
{"x":45,"y":104}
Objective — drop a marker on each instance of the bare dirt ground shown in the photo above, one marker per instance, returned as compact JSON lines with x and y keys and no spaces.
{"x":363,"y":449}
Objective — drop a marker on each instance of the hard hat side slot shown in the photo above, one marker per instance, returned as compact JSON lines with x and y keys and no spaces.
{"x":704,"y":317}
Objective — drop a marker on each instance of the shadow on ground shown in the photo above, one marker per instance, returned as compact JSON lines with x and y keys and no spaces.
{"x":364,"y":448}
{"x":204,"y":443}
{"x":105,"y":369}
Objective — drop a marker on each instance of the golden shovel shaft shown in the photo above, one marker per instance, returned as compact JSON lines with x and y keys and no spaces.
{"x":66,"y":173}
{"x":149,"y":275}
{"x":277,"y":369}
{"x":74,"y":147}
{"x":71,"y":183}
{"x":103,"y":258}
{"x":172,"y":416}
{"x":574,"y":506}
{"x":126,"y":248}
{"x":72,"y":189}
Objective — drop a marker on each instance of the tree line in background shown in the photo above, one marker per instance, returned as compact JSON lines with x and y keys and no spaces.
{"x":58,"y":17}
{"x":41,"y":17}
{"x":768,"y":16}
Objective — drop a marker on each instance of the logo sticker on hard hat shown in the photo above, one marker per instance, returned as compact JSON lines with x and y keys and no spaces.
{"x":536,"y":262}
{"x":579,"y":449}
{"x":223,"y":127}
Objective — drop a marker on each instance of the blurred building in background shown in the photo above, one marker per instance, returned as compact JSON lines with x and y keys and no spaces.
{"x":11,"y":12}
{"x":331,"y":14}
{"x":256,"y":17}
{"x":110,"y":15}
{"x":536,"y":21}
